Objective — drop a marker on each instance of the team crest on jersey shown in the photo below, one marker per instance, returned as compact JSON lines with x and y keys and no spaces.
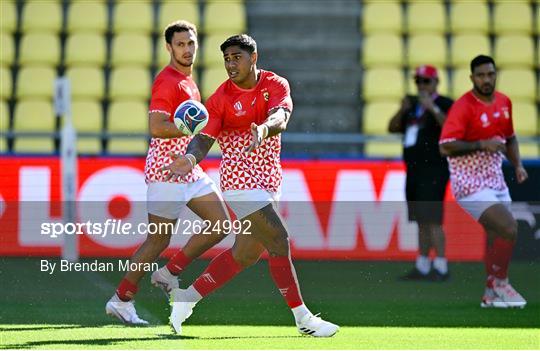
{"x":485,"y":120}
{"x":238,"y":108}
{"x":497,"y":114}
{"x":266,"y":95}
{"x":506,"y":112}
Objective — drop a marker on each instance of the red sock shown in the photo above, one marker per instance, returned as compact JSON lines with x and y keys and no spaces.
{"x":284,"y":275}
{"x":220,"y":270}
{"x":498,"y":258}
{"x":178,"y":262}
{"x":126,"y":290}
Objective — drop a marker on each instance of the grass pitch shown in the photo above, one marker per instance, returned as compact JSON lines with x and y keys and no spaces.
{"x":375,"y":310}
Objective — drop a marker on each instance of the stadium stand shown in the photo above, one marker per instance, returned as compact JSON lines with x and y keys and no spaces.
{"x":40,"y":48}
{"x":86,"y":82}
{"x":133,"y":17}
{"x":88,"y":118}
{"x":169,"y":10}
{"x":9,"y":17}
{"x":36,"y":82}
{"x":4,"y":126}
{"x":224,"y":17}
{"x":382,"y":17}
{"x":86,"y":49}
{"x":465,"y":46}
{"x":426,"y":17}
{"x":8,"y":50}
{"x":136,"y":111}
{"x":42,"y":16}
{"x":34,"y":115}
{"x":383,"y":84}
{"x":424,"y":48}
{"x":469,"y":18}
{"x":130,"y":83}
{"x":86,"y":16}
{"x":382,"y":49}
{"x":514,"y":51}
{"x":131,"y":49}
{"x":6,"y":83}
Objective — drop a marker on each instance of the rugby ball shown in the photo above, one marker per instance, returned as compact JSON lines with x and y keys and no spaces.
{"x":190,"y":117}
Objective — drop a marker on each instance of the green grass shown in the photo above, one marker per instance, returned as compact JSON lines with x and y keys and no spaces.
{"x":375,"y":310}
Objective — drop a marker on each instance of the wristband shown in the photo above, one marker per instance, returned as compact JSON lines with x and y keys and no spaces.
{"x":191,"y":158}
{"x":265,"y":130}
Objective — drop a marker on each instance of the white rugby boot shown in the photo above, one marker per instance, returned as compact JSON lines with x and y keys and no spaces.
{"x":312,"y":324}
{"x":181,"y":309}
{"x":124,"y":311}
{"x":164,"y":280}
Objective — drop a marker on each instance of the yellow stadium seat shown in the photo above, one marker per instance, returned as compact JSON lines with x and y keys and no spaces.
{"x":85,"y":49}
{"x":382,"y":17}
{"x":88,"y":118}
{"x":514,"y":50}
{"x":377,"y":115}
{"x":529,"y":150}
{"x":163,"y":56}
{"x":212,"y":78}
{"x":34,"y":116}
{"x":377,"y":149}
{"x":130,"y":82}
{"x":125,"y":146}
{"x":4,"y":126}
{"x":7,"y":54}
{"x":6,"y":83}
{"x":427,"y":49}
{"x":468,"y":17}
{"x":129,"y":116}
{"x":461,"y":82}
{"x":538,"y":51}
{"x":36,"y":82}
{"x":8,"y":14}
{"x":383,"y":84}
{"x":518,"y":84}
{"x":525,"y":118}
{"x":538,"y":19}
{"x":382,"y":50}
{"x":512,"y":17}
{"x":134,"y":16}
{"x":173,"y":11}
{"x":40,"y":48}
{"x":465,"y":47}
{"x":212,"y":55}
{"x":119,"y":112}
{"x":132,"y":49}
{"x":87,"y":16}
{"x":426,"y":17}
{"x":42,"y":16}
{"x":227,"y":17}
{"x":86,"y":82}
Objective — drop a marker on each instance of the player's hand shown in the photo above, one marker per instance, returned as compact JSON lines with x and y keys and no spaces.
{"x":493,"y":145}
{"x":180,"y":166}
{"x":521,"y":174}
{"x":258,"y":133}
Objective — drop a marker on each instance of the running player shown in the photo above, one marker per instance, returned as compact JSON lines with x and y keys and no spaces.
{"x":165,"y":197}
{"x":247,"y":114}
{"x":476,"y":136}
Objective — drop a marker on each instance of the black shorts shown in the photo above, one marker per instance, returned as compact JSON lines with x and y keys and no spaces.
{"x":424,"y":190}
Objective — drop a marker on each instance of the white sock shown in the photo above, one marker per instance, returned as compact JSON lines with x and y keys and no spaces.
{"x":192,"y":295}
{"x":423,"y":264}
{"x":299,"y":312}
{"x":441,"y":265}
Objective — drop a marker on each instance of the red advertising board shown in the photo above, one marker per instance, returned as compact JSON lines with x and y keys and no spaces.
{"x":339,"y":209}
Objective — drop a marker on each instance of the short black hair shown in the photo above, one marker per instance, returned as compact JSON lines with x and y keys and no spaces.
{"x":481,"y":60}
{"x":178,"y":26}
{"x":244,"y":41}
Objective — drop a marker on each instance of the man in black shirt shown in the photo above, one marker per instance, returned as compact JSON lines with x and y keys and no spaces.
{"x":420,"y":119}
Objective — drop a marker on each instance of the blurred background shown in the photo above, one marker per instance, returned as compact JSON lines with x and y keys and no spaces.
{"x":349,"y":63}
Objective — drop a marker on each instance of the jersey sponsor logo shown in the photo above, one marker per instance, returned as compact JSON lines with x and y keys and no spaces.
{"x":485,"y":120}
{"x":506,"y":112}
{"x":238,"y":108}
{"x":497,"y":114}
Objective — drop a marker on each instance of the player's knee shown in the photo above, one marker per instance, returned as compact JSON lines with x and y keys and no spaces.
{"x":509,"y":230}
{"x":280,"y":246}
{"x":245,"y":259}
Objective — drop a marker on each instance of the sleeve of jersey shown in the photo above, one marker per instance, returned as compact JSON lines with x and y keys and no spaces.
{"x":509,"y":126}
{"x":280,"y":95}
{"x":215,"y":118}
{"x":455,"y":124}
{"x":162,"y":98}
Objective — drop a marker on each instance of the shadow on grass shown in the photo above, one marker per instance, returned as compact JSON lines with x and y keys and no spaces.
{"x":112,"y":341}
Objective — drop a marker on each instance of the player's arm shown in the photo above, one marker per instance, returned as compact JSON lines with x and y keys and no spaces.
{"x":161,"y":127}
{"x":512,"y":153}
{"x":277,"y":121}
{"x":461,"y":147}
{"x":196,"y":152}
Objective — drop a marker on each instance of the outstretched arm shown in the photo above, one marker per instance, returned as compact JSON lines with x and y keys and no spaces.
{"x":277,"y":121}
{"x":196,"y":151}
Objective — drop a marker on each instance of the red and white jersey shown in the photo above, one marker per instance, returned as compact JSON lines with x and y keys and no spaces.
{"x":471,"y":119}
{"x":169,"y":90}
{"x":232,"y":110}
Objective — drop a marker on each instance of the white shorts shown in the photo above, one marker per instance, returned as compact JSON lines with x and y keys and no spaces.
{"x":476,"y":203}
{"x":245,"y":202}
{"x":167,"y":199}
